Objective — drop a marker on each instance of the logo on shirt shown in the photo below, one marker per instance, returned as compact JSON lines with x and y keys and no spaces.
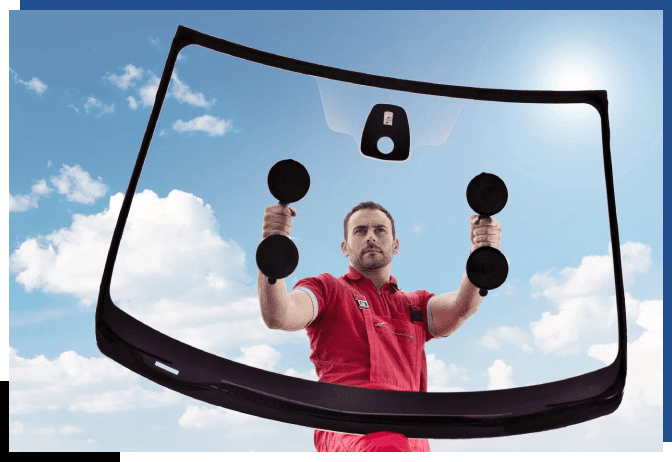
{"x":361,"y":301}
{"x":416,"y":313}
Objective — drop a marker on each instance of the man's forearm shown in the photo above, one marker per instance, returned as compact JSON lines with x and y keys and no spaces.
{"x":467,"y":299}
{"x":273,"y":299}
{"x":451,"y":310}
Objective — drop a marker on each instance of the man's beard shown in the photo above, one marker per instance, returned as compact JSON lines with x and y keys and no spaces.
{"x":362,"y":263}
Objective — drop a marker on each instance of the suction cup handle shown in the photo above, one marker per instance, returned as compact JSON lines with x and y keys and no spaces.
{"x":284,"y":204}
{"x":288,"y":181}
{"x":487,"y":195}
{"x":483,"y":292}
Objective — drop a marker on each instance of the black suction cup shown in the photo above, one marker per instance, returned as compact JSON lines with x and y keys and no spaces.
{"x":288,"y":181}
{"x":487,"y":268}
{"x":277,"y":257}
{"x":487,"y":194}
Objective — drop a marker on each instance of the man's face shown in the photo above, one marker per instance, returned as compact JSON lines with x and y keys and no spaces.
{"x":370,"y":244}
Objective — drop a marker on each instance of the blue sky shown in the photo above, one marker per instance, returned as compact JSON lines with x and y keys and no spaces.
{"x":81,"y":86}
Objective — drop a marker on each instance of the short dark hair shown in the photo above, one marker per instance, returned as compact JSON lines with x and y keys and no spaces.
{"x":365,"y":205}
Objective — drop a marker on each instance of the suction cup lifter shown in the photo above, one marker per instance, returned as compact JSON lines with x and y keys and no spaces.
{"x":277,"y":256}
{"x":487,"y":267}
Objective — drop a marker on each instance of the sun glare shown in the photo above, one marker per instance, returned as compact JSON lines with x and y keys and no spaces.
{"x":573,"y":71}
{"x":567,"y":71}
{"x":572,"y":77}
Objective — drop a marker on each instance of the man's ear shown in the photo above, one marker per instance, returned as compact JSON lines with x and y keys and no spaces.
{"x":344,"y":249}
{"x":396,"y":246}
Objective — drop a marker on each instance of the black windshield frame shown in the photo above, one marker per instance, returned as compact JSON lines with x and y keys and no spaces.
{"x":235,"y":386}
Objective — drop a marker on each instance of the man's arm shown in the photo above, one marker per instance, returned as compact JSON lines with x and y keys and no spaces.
{"x":280,"y":310}
{"x":449,"y":311}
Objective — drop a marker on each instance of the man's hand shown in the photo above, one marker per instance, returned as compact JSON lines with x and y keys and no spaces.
{"x":485,"y":232}
{"x":277,"y":220}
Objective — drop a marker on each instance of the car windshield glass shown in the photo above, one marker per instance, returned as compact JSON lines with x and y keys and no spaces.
{"x":203,"y":190}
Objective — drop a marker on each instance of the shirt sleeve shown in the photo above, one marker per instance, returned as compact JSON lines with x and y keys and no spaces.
{"x":425,"y":299}
{"x":319,"y":289}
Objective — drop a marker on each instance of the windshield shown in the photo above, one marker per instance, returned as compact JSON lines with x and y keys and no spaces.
{"x":203,"y":191}
{"x":82,"y":86}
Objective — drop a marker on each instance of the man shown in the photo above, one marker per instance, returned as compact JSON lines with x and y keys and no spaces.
{"x":364,"y":331}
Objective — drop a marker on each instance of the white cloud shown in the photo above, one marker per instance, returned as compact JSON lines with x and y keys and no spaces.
{"x":76,"y":383}
{"x":636,"y":259}
{"x":259,"y":356}
{"x":644,"y":383}
{"x":640,"y":415}
{"x":22,"y":203}
{"x":595,"y":274}
{"x":210,"y":417}
{"x":173,"y":272}
{"x":34,"y":84}
{"x":181,"y":92}
{"x":67,"y":430}
{"x":15,"y":428}
{"x":509,"y":289}
{"x":196,"y":294}
{"x":208,"y":270}
{"x":127,"y":78}
{"x":74,"y":108}
{"x":68,"y":370}
{"x":310,"y":375}
{"x":41,"y":189}
{"x":236,"y":424}
{"x":92,"y":102}
{"x":133,"y":103}
{"x":605,"y":352}
{"x":148,"y":91}
{"x":508,"y":334}
{"x":70,"y":430}
{"x":41,"y":384}
{"x":500,"y":375}
{"x":213,"y":126}
{"x":584,"y":300}
{"x":177,"y":89}
{"x":78,"y":186}
{"x":442,"y":377}
{"x":135,"y":397}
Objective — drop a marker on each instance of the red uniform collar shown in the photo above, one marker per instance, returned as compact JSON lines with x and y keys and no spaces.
{"x":355,"y":275}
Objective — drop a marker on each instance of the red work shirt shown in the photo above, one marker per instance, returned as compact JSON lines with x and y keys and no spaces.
{"x":363,"y":337}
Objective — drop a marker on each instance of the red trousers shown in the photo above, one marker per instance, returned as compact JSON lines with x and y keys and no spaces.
{"x":373,"y":442}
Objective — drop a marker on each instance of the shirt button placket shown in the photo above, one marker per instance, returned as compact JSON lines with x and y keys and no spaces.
{"x":385,"y":301}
